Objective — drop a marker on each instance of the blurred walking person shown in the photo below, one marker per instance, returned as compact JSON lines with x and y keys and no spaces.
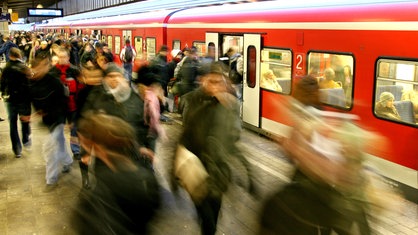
{"x":49,"y":99}
{"x":211,"y":130}
{"x":126,"y":194}
{"x":15,"y":92}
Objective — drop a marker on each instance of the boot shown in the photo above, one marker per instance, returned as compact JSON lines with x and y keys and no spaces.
{"x":84,"y":175}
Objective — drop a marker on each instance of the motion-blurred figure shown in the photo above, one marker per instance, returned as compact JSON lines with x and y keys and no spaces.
{"x":211,"y":130}
{"x":15,"y":92}
{"x":126,"y":194}
{"x":50,"y":101}
{"x":115,"y":97}
{"x":327,"y":191}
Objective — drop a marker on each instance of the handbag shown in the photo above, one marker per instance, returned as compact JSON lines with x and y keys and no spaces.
{"x":191,"y":174}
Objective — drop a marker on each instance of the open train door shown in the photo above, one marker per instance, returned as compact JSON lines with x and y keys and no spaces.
{"x":213,"y":38}
{"x":251,"y":79}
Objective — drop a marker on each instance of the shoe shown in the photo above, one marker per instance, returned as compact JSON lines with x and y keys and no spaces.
{"x":165,"y":119}
{"x":50,"y":187}
{"x":2,"y":119}
{"x":86,"y":183}
{"x":66,"y":168}
{"x":77,"y":156}
{"x":18,"y":155}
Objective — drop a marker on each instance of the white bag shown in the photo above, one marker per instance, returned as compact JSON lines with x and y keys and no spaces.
{"x":191,"y":173}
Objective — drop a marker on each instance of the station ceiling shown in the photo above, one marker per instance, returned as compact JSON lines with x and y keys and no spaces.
{"x":20,"y":6}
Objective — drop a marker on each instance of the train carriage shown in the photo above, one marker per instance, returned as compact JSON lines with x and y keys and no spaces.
{"x":373,"y":40}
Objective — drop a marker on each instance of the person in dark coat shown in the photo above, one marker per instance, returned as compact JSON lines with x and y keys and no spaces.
{"x":15,"y":86}
{"x":126,"y":194}
{"x":50,"y":102}
{"x":115,"y":97}
{"x":211,"y":130}
{"x":6,"y":46}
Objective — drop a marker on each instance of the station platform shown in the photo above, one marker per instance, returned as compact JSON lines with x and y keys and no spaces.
{"x":26,"y":209}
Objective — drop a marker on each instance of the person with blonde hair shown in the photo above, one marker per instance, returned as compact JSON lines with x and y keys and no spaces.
{"x":268,"y":81}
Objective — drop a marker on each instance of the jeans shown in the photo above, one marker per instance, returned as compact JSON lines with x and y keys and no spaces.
{"x":74,"y":142}
{"x":127,"y":67}
{"x":14,"y":111}
{"x":55,"y":154}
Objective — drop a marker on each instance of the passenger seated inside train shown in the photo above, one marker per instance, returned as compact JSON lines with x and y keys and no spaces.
{"x":328,"y":81}
{"x":269,"y":81}
{"x":385,"y":108}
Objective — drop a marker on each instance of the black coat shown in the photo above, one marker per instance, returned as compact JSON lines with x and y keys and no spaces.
{"x":48,"y":96}
{"x":15,"y":83}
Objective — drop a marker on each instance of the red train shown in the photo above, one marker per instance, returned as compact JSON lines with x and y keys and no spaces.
{"x":375,"y":42}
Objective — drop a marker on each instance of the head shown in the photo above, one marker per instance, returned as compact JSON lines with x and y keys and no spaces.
{"x":211,"y":50}
{"x":44,"y":44}
{"x":214,"y":82}
{"x":386,"y":99}
{"x":40,"y":66}
{"x":99,"y":47}
{"x":114,"y":76}
{"x":108,"y":138}
{"x":54,"y":60}
{"x":64,"y":56}
{"x":232,"y":51}
{"x":176,"y":54}
{"x":127,"y":42}
{"x":307,"y":91}
{"x":269,"y":74}
{"x":163,"y":50}
{"x":15,"y":53}
{"x":102,"y":61}
{"x":329,"y":74}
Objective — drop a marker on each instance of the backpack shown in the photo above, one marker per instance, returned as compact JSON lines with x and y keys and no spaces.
{"x":129,"y":54}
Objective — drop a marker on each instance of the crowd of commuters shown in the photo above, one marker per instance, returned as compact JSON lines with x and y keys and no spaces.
{"x":114,"y":120}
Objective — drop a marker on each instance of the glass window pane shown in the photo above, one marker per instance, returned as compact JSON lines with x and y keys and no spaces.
{"x":138,"y":47}
{"x":151,"y":44}
{"x":110,"y":42}
{"x":117,"y":45}
{"x":396,"y":91}
{"x":335,"y":74}
{"x":276,"y":71}
{"x":251,"y":66}
{"x":201,"y":48}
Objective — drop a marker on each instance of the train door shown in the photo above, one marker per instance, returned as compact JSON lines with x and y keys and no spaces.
{"x":213,"y":38}
{"x":251,"y":84}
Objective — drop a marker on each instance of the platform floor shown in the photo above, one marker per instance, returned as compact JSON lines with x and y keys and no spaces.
{"x":26,"y":210}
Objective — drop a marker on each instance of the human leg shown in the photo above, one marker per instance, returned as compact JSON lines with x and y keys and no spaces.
{"x":24,"y":115}
{"x":208,"y":211}
{"x":12,"y":111}
{"x":50,"y":152}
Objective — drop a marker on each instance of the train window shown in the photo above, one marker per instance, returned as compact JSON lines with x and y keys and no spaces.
{"x":396,"y":91}
{"x":117,"y":45}
{"x":251,"y":66}
{"x":335,"y":77}
{"x":150,"y":48}
{"x":276,"y":72}
{"x":176,"y":44}
{"x":110,"y":42}
{"x":138,"y":46}
{"x":201,"y":48}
